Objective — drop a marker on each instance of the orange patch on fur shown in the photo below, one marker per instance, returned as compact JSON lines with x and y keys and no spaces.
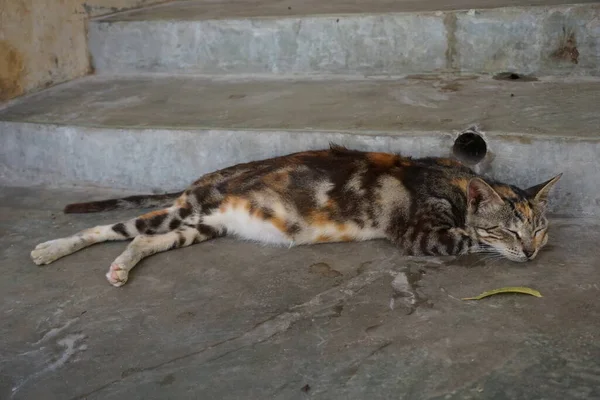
{"x":182,"y":201}
{"x":505,"y":191}
{"x":154,"y":213}
{"x":330,"y":204}
{"x":323,"y":238}
{"x":461,"y":183}
{"x":346,"y":238}
{"x":385,"y":160}
{"x":341,"y":227}
{"x":279,"y":223}
{"x":319,"y":218}
{"x":277,"y":180}
{"x":234,"y":202}
{"x":246,"y":205}
{"x":449,"y":162}
{"x":298,"y":156}
{"x":525,"y":210}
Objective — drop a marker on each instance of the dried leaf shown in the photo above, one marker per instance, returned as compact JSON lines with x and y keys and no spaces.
{"x":511,"y":289}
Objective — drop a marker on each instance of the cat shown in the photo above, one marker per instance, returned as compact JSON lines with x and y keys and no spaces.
{"x":426,"y":206}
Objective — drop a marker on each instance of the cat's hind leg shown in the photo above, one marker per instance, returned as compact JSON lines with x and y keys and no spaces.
{"x":159,"y":221}
{"x":146,"y":245}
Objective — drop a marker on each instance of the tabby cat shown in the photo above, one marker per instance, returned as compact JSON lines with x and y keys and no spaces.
{"x":427,"y":206}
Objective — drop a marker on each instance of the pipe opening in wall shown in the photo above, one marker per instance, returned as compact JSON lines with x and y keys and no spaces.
{"x":513,"y":76}
{"x":470,"y":148}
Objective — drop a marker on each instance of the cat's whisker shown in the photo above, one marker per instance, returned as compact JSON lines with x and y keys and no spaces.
{"x":478,"y":261}
{"x":494,"y":261}
{"x":487,"y":257}
{"x":479,"y":248}
{"x":493,"y":258}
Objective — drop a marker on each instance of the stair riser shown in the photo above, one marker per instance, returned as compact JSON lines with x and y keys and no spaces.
{"x":558,"y":40}
{"x":154,"y":159}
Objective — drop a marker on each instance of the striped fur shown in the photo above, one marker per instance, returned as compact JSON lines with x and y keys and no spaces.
{"x":143,"y":201}
{"x":428,"y":206}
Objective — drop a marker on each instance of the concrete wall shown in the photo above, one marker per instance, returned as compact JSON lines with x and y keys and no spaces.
{"x":43,"y":42}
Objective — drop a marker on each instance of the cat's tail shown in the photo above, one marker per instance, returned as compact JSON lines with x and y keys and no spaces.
{"x":139,"y":201}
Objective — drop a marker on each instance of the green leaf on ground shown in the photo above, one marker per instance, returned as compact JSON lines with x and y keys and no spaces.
{"x":510,"y":289}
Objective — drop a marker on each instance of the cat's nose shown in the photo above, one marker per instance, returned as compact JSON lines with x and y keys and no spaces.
{"x":528,"y":252}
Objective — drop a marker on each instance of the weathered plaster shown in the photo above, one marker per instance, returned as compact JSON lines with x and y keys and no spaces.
{"x":43,"y":42}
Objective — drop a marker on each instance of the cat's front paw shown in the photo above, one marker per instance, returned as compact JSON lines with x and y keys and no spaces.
{"x":47,"y":252}
{"x":117,"y":275}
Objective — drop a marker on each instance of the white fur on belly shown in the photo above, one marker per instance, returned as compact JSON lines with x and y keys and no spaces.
{"x":238,"y":222}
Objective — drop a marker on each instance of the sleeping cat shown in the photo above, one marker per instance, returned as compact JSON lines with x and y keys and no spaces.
{"x":427,"y":206}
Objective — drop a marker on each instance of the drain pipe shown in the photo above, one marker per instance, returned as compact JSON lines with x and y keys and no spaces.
{"x":471,"y":148}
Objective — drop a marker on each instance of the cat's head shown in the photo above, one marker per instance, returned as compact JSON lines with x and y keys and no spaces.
{"x":507,"y":220}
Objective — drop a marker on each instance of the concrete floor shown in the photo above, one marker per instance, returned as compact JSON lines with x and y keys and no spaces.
{"x":565,"y":108}
{"x":233,"y":320}
{"x":199,"y":10}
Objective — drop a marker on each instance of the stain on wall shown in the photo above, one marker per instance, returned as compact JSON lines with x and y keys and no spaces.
{"x":11,"y":71}
{"x":43,"y":42}
{"x":567,"y":49}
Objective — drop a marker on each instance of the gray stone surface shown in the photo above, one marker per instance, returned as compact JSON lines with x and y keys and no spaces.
{"x":226,"y":9}
{"x":156,"y":134}
{"x":566,"y":108}
{"x":231,"y":320}
{"x":192,"y":37}
{"x":558,"y":41}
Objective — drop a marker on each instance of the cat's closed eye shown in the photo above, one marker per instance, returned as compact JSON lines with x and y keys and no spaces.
{"x":487,"y":228}
{"x":489,"y":232}
{"x":514,"y":233}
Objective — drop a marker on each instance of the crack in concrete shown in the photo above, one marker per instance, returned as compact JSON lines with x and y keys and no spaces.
{"x":356,"y":366}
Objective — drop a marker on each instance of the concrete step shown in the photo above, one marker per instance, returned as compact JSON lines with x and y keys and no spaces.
{"x":381,"y":37}
{"x":234,"y":320}
{"x":161,"y":133}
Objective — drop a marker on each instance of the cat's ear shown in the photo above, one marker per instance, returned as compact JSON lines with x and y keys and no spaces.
{"x":539,"y":193}
{"x":481,"y":196}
